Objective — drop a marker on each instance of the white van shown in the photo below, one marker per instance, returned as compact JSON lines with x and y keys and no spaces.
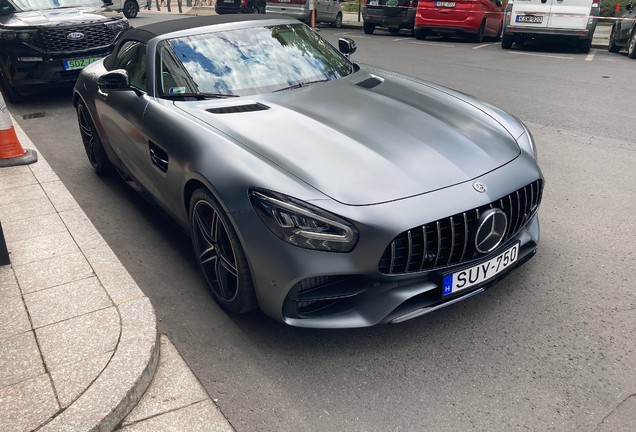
{"x":534,"y":19}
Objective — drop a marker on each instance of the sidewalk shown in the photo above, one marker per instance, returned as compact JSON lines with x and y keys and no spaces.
{"x":78,"y":339}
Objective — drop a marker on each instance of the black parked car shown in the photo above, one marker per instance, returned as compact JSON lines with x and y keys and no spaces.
{"x":240,"y":6}
{"x":44,"y":45}
{"x":393,"y":14}
{"x":624,"y":33}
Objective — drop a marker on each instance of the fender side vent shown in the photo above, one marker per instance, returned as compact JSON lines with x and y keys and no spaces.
{"x":371,"y":82}
{"x":238,"y":109}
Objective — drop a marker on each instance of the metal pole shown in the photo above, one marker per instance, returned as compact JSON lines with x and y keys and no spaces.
{"x":313,"y":16}
{"x":359,"y":7}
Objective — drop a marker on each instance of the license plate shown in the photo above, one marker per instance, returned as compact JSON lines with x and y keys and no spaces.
{"x":228,"y":1}
{"x":470,"y":277}
{"x":535,"y":19}
{"x":374,"y":2}
{"x":284,"y":1}
{"x":445,"y":4}
{"x":79,"y":64}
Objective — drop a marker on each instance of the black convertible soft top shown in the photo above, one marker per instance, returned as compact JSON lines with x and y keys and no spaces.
{"x":165,"y":27}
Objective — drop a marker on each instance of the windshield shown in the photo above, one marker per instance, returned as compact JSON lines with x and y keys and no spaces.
{"x":29,"y":5}
{"x":248,"y":61}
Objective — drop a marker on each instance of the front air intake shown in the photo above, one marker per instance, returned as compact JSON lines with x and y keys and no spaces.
{"x":370,"y":82}
{"x":238,"y":109}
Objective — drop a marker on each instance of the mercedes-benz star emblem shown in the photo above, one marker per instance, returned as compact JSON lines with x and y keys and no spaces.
{"x":479,"y":187}
{"x":75,"y":36}
{"x":491,"y":230}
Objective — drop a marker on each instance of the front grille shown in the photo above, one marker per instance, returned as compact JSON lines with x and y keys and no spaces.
{"x":54,"y":39}
{"x":449,"y":241}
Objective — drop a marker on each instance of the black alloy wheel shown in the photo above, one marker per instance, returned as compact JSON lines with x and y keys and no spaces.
{"x":220,"y":255}
{"x":92,"y":144}
{"x":479,"y":37}
{"x":130,"y":9}
{"x":255,"y":9}
{"x":631,"y":50}
{"x":613,"y":48}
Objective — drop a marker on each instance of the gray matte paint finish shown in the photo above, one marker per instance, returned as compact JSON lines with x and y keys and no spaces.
{"x":388,"y":159}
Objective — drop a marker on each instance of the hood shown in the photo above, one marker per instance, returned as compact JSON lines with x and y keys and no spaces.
{"x":54,"y":17}
{"x":364,"y":146}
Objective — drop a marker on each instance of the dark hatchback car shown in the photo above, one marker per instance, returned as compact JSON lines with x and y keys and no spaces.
{"x":46,"y":44}
{"x":240,"y":6}
{"x":393,"y":14}
{"x":624,"y":33}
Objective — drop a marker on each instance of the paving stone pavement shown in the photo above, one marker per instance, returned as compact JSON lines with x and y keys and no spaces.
{"x":78,"y":338}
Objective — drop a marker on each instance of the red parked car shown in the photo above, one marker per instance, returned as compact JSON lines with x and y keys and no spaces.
{"x":473,"y":18}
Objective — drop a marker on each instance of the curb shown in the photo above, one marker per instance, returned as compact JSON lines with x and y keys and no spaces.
{"x":115,"y":391}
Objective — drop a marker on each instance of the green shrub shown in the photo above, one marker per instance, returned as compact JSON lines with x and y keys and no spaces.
{"x":350,"y":6}
{"x":609,"y":6}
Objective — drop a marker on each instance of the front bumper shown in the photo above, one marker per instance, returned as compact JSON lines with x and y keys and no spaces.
{"x":377,"y":16}
{"x":361,"y":296}
{"x":30,"y":77}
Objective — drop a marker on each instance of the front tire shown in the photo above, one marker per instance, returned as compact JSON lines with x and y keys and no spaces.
{"x":631,"y":50}
{"x":506,"y":41}
{"x":338,"y":22}
{"x":92,"y":144}
{"x":613,"y":48}
{"x":131,"y":9}
{"x":369,"y":28}
{"x":220,"y":255}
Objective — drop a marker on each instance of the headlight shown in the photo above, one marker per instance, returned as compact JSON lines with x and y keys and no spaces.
{"x":530,"y":140}
{"x":302,"y":224}
{"x":23,"y":35}
{"x":119,"y":25}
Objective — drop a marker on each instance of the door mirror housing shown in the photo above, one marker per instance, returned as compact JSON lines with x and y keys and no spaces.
{"x":628,"y":6}
{"x":498,"y":3}
{"x":347,"y":46}
{"x":114,"y":80}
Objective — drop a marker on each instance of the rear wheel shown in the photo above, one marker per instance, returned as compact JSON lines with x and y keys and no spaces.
{"x":130,"y":9}
{"x":92,"y":144}
{"x":220,"y":254}
{"x":631,"y":50}
{"x":421,"y":34}
{"x":506,"y":41}
{"x":369,"y":28}
{"x":612,"y":41}
{"x":584,"y":45}
{"x":255,"y":9}
{"x":479,"y":37}
{"x":338,"y":22}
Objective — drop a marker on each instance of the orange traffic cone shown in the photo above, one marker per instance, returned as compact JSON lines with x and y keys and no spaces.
{"x":11,"y":151}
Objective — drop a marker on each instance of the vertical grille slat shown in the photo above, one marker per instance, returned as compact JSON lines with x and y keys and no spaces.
{"x":448,"y":241}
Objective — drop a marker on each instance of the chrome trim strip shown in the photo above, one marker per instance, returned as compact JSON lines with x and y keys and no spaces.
{"x":465,"y":238}
{"x":518,"y":211}
{"x":408,"y":260}
{"x":425,"y":310}
{"x":439,"y":244}
{"x":425,"y":247}
{"x":392,"y":257}
{"x":452,"y":240}
{"x":531,"y":196}
{"x":511,"y":214}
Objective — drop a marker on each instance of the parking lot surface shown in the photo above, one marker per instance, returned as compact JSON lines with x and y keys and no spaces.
{"x":548,"y":348}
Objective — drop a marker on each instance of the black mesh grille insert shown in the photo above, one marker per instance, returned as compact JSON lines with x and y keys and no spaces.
{"x":238,"y":109}
{"x":448,"y":241}
{"x":54,"y":39}
{"x":370,"y":83}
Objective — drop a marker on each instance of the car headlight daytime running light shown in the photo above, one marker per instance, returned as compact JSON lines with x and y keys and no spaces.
{"x":21,"y":35}
{"x":302,"y":224}
{"x":119,"y":25}
{"x":533,"y":146}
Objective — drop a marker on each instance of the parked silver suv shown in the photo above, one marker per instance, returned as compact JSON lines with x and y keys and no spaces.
{"x":328,"y":11}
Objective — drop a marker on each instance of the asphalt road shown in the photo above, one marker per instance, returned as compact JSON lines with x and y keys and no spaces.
{"x":549,"y":348}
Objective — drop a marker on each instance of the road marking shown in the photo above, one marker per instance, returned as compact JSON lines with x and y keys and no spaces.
{"x":591,"y":55}
{"x":540,"y":55}
{"x":485,"y":45}
{"x":401,"y":39}
{"x":440,"y":45}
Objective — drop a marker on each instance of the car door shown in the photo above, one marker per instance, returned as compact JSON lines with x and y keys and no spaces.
{"x":624,"y":27}
{"x":569,"y":14}
{"x":494,"y":16}
{"x":120,"y":112}
{"x":322,"y":10}
{"x":530,"y":14}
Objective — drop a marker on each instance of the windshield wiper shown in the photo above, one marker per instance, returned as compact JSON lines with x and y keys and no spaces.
{"x":301,"y":84}
{"x":202,"y":96}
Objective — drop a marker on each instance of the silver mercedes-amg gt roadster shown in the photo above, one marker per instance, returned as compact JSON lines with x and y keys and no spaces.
{"x":328,"y":193}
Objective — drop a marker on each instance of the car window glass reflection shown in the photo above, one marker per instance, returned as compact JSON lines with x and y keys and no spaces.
{"x":132,"y":58}
{"x":248,"y":61}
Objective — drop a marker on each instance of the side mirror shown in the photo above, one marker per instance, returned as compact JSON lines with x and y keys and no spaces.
{"x":498,"y":3}
{"x":115,"y":80}
{"x":628,"y":6}
{"x":347,"y":46}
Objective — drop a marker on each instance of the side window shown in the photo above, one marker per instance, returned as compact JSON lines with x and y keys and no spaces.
{"x":132,"y":58}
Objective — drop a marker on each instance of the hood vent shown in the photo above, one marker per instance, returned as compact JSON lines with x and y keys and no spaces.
{"x":238,"y":109}
{"x":370,"y":82}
